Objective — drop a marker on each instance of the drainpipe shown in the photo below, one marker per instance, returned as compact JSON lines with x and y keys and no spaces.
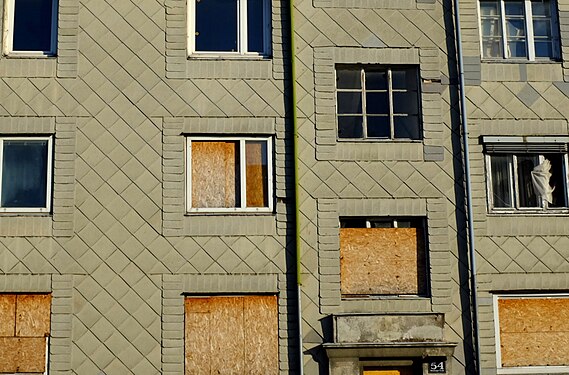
{"x":471,"y":247}
{"x":296,"y":187}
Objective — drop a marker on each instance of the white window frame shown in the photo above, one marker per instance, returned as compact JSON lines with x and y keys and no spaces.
{"x":242,"y":171}
{"x":522,"y":369}
{"x":242,"y":48}
{"x":49,"y":179}
{"x":391,"y":115}
{"x":514,"y":189}
{"x":530,"y":46}
{"x":9,"y":7}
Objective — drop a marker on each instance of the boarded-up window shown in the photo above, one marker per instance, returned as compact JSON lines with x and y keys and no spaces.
{"x":534,"y":331}
{"x":231,"y":335}
{"x":229,"y":174}
{"x":24,"y":329}
{"x":382,"y":257}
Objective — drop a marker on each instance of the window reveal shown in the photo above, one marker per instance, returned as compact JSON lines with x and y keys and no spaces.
{"x":229,"y":174}
{"x":32,"y":26}
{"x":378,"y":102}
{"x":524,"y":29}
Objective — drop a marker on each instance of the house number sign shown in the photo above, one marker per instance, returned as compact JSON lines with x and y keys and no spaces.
{"x":437,"y":366}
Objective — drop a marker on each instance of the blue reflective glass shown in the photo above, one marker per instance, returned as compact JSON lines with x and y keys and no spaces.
{"x":216,"y":25}
{"x":32,"y":25}
{"x":255,"y":26}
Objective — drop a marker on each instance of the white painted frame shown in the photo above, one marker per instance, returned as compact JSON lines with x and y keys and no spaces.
{"x":530,"y":46}
{"x":525,"y":369}
{"x":8,"y":32}
{"x":242,"y":48}
{"x":243,"y":176}
{"x":49,"y":177}
{"x":513,"y":177}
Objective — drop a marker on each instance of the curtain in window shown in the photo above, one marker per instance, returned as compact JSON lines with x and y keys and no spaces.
{"x":540,"y":177}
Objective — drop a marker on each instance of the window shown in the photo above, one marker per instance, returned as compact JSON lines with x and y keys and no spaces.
{"x":32,"y":27}
{"x":229,"y":174}
{"x":25,"y":321}
{"x":239,"y":27}
{"x":231,"y":334}
{"x":519,"y":29}
{"x":375,"y":102}
{"x":25,"y":169}
{"x":382,"y":256}
{"x":527,"y":176}
{"x":530,"y":330}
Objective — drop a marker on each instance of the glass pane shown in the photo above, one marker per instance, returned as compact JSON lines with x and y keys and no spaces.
{"x":381,"y":223}
{"x":407,"y":127}
{"x":542,"y":28}
{"x":492,"y":47}
{"x":491,"y":28}
{"x":257,"y":176}
{"x":501,"y":181}
{"x":541,"y":8}
{"x":353,"y":222}
{"x":543,"y":49}
{"x":514,"y":8}
{"x":255,"y":26}
{"x":215,"y":174}
{"x":558,"y":180}
{"x":32,"y":25}
{"x":24,"y":174}
{"x":377,"y":103}
{"x":526,"y":191}
{"x":376,"y":80}
{"x":348,"y":79}
{"x":378,"y":127}
{"x":349,"y":102}
{"x":489,"y":8}
{"x":216,"y":25}
{"x":515,"y":28}
{"x":516,"y":49}
{"x":350,"y":127}
{"x":405,"y":102}
{"x":404,"y":79}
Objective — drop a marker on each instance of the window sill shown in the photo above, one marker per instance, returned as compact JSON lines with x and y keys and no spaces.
{"x":563,"y":212}
{"x":379,"y":140}
{"x":230,"y":213}
{"x":384,"y":297}
{"x":222,"y":57}
{"x":520,"y":61}
{"x":29,"y":55}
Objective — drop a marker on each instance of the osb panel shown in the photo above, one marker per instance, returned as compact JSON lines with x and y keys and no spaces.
{"x":382,"y":261}
{"x":7,"y":315}
{"x":33,"y":315}
{"x":214,"y":177}
{"x":197,"y":339}
{"x":255,"y":177}
{"x":22,"y":354}
{"x":534,"y":331}
{"x":261,"y":338}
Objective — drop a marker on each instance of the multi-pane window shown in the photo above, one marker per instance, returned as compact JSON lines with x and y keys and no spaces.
{"x":31,"y":26}
{"x":528,"y":181}
{"x":25,"y":173}
{"x":377,"y":102}
{"x":229,"y":26}
{"x":519,"y":29}
{"x":229,"y":174}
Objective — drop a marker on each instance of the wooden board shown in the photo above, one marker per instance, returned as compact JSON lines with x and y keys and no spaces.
{"x":22,"y":354}
{"x":261,"y":340}
{"x":256,"y":176}
{"x":382,"y":261}
{"x":231,"y":335}
{"x":215,"y":180}
{"x":7,"y":315}
{"x":33,"y":315}
{"x":534,"y":331}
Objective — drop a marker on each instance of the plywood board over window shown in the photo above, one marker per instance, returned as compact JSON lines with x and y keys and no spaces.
{"x":24,"y":329}
{"x":382,"y":261}
{"x":533,"y":331}
{"x":231,"y":335}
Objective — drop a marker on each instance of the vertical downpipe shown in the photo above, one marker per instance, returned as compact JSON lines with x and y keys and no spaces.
{"x":465,"y":134}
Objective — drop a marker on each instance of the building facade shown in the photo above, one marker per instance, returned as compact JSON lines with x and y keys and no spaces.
{"x":187,"y":190}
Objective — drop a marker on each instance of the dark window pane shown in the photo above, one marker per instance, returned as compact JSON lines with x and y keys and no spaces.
{"x":348,"y":79}
{"x":517,"y":49}
{"x":516,"y":28}
{"x":527,"y":195}
{"x":349,"y":102}
{"x":378,"y":127}
{"x":407,"y":127}
{"x":501,"y":182}
{"x":381,"y":223}
{"x":255,"y":26}
{"x":377,"y":103}
{"x":353,"y":222}
{"x":405,"y":102}
{"x":514,"y":8}
{"x":404,"y":79}
{"x":376,"y":80}
{"x":24,"y":174}
{"x":540,"y":8}
{"x":32,"y":25}
{"x":216,"y":25}
{"x":350,"y":126}
{"x":557,"y":180}
{"x":542,"y":28}
{"x":543,"y":49}
{"x":489,"y":8}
